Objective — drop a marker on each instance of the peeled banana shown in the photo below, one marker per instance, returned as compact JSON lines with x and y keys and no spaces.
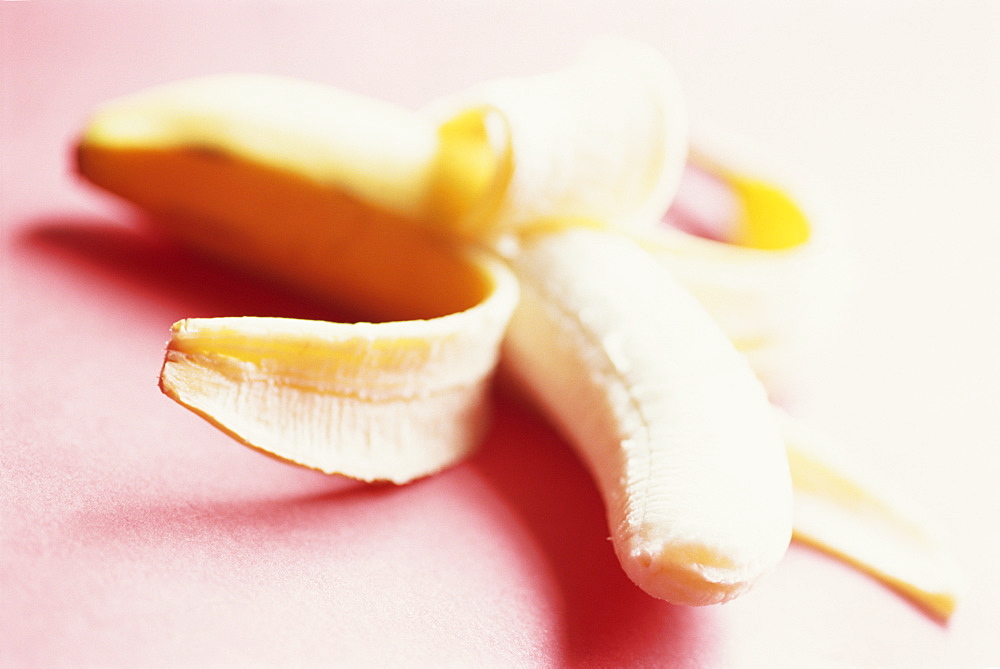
{"x":525,"y":211}
{"x":676,"y":429}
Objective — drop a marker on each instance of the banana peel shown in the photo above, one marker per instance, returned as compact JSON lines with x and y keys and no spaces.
{"x":838,"y":514}
{"x":377,"y":401}
{"x":526,"y":212}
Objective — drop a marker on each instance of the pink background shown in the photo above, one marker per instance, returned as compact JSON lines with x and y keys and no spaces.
{"x":133,"y":534}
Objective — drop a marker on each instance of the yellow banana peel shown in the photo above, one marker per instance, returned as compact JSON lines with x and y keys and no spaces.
{"x":839,"y":515}
{"x":376,"y":401}
{"x":525,"y":212}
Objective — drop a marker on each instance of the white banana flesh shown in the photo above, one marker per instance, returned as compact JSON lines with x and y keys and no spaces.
{"x":675,"y":428}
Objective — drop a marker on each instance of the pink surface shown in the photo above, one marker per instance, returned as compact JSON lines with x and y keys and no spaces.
{"x":133,"y":534}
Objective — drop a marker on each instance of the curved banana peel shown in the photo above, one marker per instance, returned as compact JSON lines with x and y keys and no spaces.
{"x":376,"y":401}
{"x":600,"y":143}
{"x":764,"y":261}
{"x":837,"y":514}
{"x":404,"y":215}
{"x":198,"y":155}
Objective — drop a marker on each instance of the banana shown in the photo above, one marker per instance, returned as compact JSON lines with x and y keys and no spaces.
{"x":676,"y":430}
{"x":625,"y":363}
{"x":525,"y":211}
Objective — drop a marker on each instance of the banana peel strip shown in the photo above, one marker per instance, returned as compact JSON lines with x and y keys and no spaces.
{"x":518,"y":157}
{"x":600,"y":143}
{"x":779,"y":280}
{"x":839,"y":515}
{"x":388,"y":401}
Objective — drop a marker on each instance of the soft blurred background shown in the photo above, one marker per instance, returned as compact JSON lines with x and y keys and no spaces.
{"x":890,"y":108}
